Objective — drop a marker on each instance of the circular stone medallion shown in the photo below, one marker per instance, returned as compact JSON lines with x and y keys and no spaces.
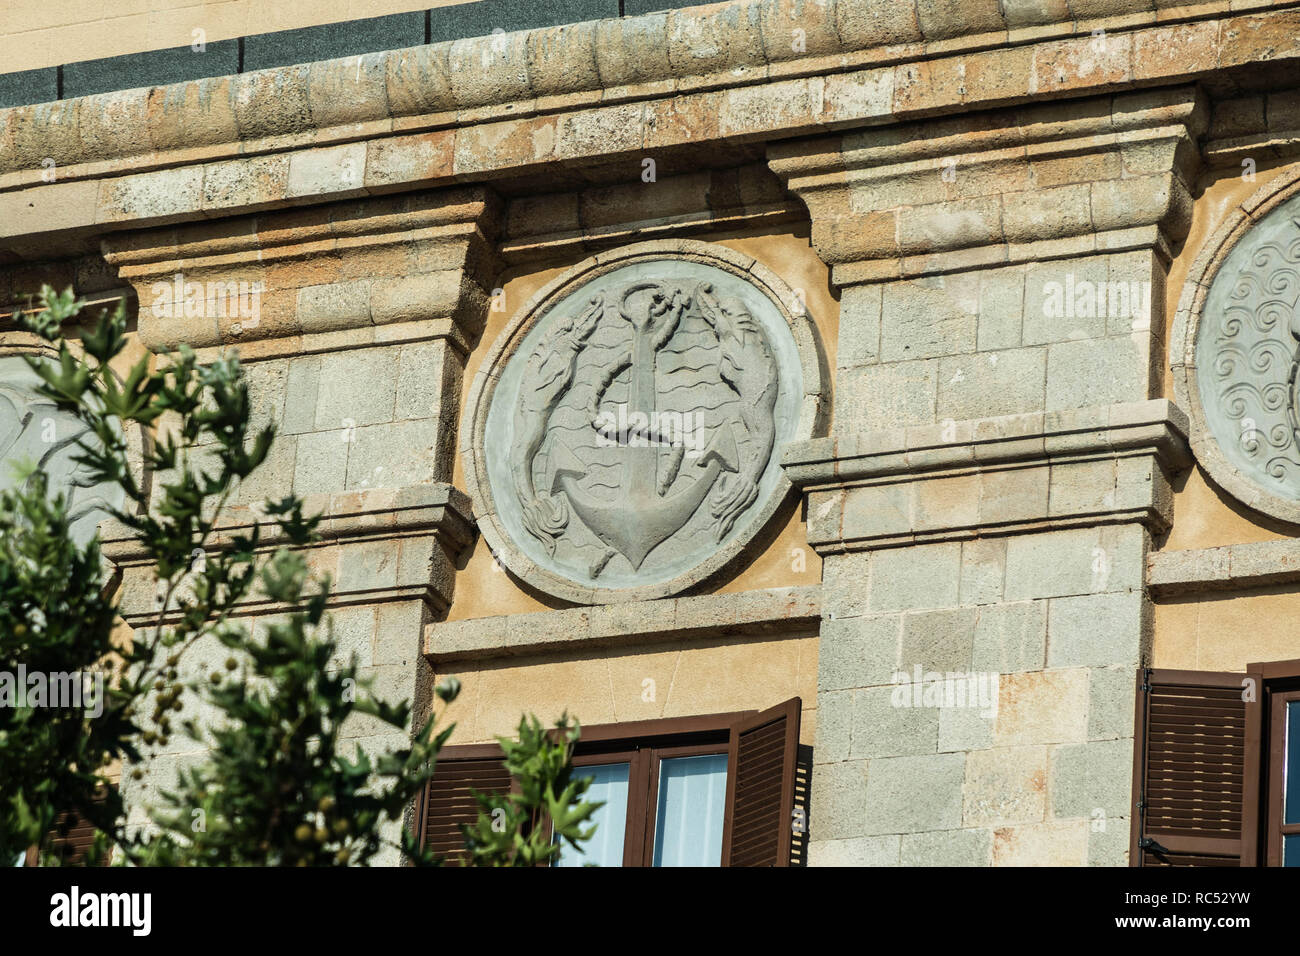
{"x":626,"y":438}
{"x":1246,"y":356}
{"x":34,"y":433}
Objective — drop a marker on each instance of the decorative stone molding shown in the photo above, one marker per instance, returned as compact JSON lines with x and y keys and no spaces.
{"x":786,"y":612}
{"x":187,"y":143}
{"x":1235,"y":351}
{"x":678,"y":49}
{"x":382,"y":270}
{"x":1023,"y":185}
{"x":1233,"y":567}
{"x":597,"y":474}
{"x":547,"y":226}
{"x":377,"y":546}
{"x":1009,"y":474}
{"x":1258,"y":126}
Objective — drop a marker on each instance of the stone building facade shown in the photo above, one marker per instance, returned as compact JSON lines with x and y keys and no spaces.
{"x":933,"y":303}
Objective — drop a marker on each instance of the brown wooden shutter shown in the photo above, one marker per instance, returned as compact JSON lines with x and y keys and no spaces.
{"x":70,"y":845}
{"x":1189,"y":776}
{"x":760,"y":787}
{"x":71,"y":838}
{"x":449,"y":800}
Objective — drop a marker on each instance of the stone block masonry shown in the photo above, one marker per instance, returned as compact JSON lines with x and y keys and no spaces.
{"x":979,"y":212}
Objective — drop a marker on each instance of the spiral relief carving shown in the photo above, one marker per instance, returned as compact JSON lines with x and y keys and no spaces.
{"x":1248,"y":352}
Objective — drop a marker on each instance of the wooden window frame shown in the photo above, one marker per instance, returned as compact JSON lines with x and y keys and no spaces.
{"x":1278,"y":827}
{"x":1277,"y":684}
{"x":644,"y":744}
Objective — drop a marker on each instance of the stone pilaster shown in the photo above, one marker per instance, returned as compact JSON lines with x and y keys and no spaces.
{"x":996,"y":468}
{"x":353,"y":322}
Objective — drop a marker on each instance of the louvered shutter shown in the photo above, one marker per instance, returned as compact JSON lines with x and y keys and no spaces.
{"x":1190,"y":773}
{"x":71,"y":838}
{"x":761,"y":759}
{"x":449,"y":799}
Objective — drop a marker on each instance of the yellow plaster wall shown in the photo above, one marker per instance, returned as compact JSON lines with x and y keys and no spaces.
{"x":614,"y":685}
{"x":1226,"y":631}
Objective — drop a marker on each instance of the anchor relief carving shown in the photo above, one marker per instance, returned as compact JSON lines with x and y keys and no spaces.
{"x":643,"y":423}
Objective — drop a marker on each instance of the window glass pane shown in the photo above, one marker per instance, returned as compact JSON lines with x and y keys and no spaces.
{"x":1291,"y":851}
{"x":605,"y":848}
{"x":688,"y":820}
{"x":1291,"y":763}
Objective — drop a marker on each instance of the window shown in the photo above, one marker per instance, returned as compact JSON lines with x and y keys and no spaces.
{"x":1278,"y":786}
{"x":665,"y":793}
{"x":695,"y":791}
{"x":1217,"y":770}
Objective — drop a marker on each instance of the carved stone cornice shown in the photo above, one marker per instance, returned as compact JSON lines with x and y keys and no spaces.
{"x":560,"y":102}
{"x":621,"y":59}
{"x":377,"y":546}
{"x":1233,"y":567}
{"x":1021,"y":185}
{"x":374,"y":270}
{"x":783,"y":612}
{"x":1012,"y":473}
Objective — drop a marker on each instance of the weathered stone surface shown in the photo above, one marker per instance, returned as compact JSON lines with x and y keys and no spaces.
{"x":991,"y":383}
{"x":761,"y":611}
{"x":858,"y":651}
{"x":965,"y":729}
{"x":1042,"y":707}
{"x":983,"y":570}
{"x":1108,"y":841}
{"x":860,"y":851}
{"x":1097,"y":630}
{"x":271,"y":102}
{"x":1010,"y":637}
{"x":968,"y":847}
{"x":882,"y":729}
{"x":1005,"y":786}
{"x":321,"y":463}
{"x":938,"y":640}
{"x":862,"y":24}
{"x":563,"y":59}
{"x":1082,"y":561}
{"x":886,"y":396}
{"x":710,"y":39}
{"x":925,"y":576}
{"x":356,"y":389}
{"x":834,"y":725}
{"x":912,"y":794}
{"x":1092,"y":780}
{"x":840,"y":800}
{"x":1042,"y":844}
